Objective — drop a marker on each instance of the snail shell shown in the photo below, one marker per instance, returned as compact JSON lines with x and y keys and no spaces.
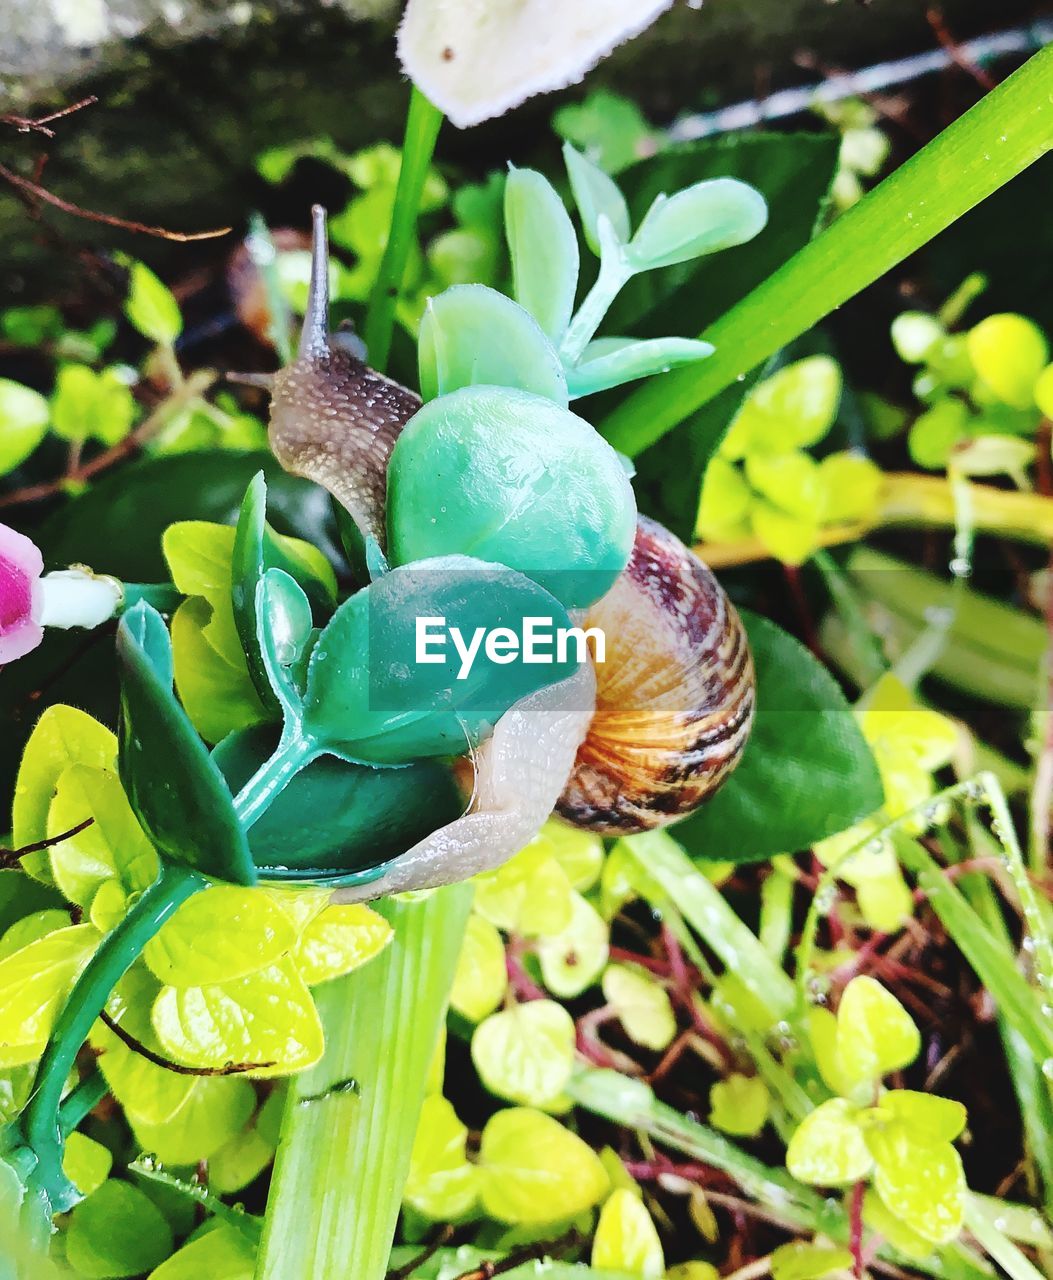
{"x":674,"y":698}
{"x":333,"y":419}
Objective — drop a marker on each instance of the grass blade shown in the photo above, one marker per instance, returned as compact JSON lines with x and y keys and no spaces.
{"x":1004,"y":133}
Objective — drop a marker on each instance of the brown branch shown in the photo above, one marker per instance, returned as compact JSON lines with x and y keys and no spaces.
{"x":10,"y":859}
{"x":137,"y":1046}
{"x":950,"y":46}
{"x":39,"y":124}
{"x":196,"y":385}
{"x":531,"y":1253}
{"x":35,"y":191}
{"x":444,"y":1236}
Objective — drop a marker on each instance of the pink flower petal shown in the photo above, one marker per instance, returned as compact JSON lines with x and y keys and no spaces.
{"x":21,"y":565}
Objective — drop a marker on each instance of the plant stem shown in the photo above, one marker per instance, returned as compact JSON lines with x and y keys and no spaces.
{"x":422,"y":129}
{"x":919,"y":501}
{"x":350,"y":1121}
{"x":1005,"y":132}
{"x":613,"y":276}
{"x":117,"y":952}
{"x":271,"y":778}
{"x":82,"y":1100}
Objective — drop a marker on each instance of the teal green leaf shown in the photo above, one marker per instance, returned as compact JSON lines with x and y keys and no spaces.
{"x":543,"y":249}
{"x":175,"y":789}
{"x":596,"y":196}
{"x":716,"y":214}
{"x":610,"y":362}
{"x":471,"y":335}
{"x":807,"y":772}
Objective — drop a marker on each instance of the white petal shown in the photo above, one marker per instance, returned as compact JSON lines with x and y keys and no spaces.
{"x":476,"y":59}
{"x":520,"y":773}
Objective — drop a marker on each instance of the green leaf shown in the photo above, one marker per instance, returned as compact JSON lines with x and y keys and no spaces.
{"x":117,"y":1231}
{"x":526,"y":1053}
{"x":891,"y":222}
{"x":34,"y":982}
{"x":536,"y":1171}
{"x":794,"y":408}
{"x":176,"y":790}
{"x":23,"y":423}
{"x":701,"y":219}
{"x":441,"y":1184}
{"x":543,"y":249}
{"x":218,"y":936}
{"x":267,"y":1017}
{"x":217,"y":694}
{"x":215,"y":1111}
{"x":573,"y":959}
{"x":610,"y":128}
{"x":1009,"y":352}
{"x":875,"y":1034}
{"x":256,"y":548}
{"x":609,"y":362}
{"x":480,"y":981}
{"x":359,"y":702}
{"x":151,"y":307}
{"x":32,"y":928}
{"x":626,"y":1238}
{"x":739,"y":1105}
{"x":339,"y":940}
{"x":149,"y":1094}
{"x":642,"y":1006}
{"x":923,"y":1184}
{"x":472,"y":335}
{"x":86,"y":1163}
{"x":222,"y":1253}
{"x":806,"y":773}
{"x":240,"y":1161}
{"x":828,"y":1148}
{"x":91,"y":406}
{"x":114,"y":847}
{"x":802,"y":1260}
{"x":335,"y":817}
{"x":596,"y":196}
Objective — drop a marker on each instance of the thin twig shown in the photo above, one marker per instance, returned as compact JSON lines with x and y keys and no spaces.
{"x":530,"y":1253}
{"x":137,"y":1046}
{"x":11,"y":858}
{"x":39,"y":124}
{"x":442,"y":1237}
{"x":194,"y":387}
{"x":36,"y":192}
{"x":954,"y":51}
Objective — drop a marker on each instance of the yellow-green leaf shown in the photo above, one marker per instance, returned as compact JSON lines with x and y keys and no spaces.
{"x":626,"y":1238}
{"x":338,"y":940}
{"x":481,"y":977}
{"x":526,"y":1053}
{"x":642,"y":1006}
{"x":441,"y":1183}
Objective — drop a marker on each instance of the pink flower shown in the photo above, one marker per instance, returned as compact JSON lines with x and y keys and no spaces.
{"x":21,"y":595}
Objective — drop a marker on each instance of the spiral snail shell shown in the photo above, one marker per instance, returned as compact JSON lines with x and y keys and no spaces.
{"x":675,"y":693}
{"x":674,"y":697}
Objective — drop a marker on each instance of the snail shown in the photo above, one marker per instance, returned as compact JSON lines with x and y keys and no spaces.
{"x":674,"y":698}
{"x":675,"y":694}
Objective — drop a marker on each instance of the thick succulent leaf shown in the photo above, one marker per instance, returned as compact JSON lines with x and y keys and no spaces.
{"x":543,"y":248}
{"x":596,"y":196}
{"x":472,"y":335}
{"x":610,"y":362}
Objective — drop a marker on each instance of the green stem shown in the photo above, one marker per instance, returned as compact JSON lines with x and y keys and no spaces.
{"x":422,"y":129}
{"x":41,"y":1120}
{"x":1006,"y":131}
{"x":271,"y":778}
{"x":162,"y":596}
{"x":82,"y":1100}
{"x":350,"y":1121}
{"x":613,"y":277}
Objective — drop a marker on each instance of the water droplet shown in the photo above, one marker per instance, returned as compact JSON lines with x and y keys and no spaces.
{"x":148,"y":1162}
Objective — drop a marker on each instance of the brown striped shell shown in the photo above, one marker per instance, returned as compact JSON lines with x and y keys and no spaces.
{"x":674,"y":696}
{"x":333,"y":419}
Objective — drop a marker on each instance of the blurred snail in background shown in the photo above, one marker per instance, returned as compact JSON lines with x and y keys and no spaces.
{"x":675,"y":694}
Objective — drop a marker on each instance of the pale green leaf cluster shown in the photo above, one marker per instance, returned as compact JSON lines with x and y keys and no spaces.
{"x":763,"y":483}
{"x":898,"y":1141}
